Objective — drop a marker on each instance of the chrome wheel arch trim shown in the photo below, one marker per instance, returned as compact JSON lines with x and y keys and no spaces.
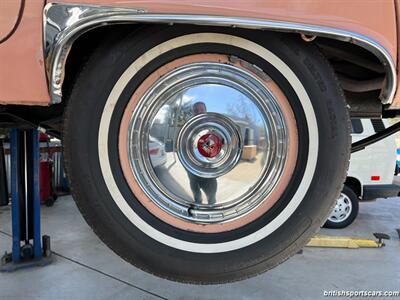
{"x":64,"y":23}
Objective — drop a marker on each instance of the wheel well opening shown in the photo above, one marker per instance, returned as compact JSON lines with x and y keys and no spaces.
{"x":360,"y":73}
{"x":85,"y":45}
{"x":354,"y":184}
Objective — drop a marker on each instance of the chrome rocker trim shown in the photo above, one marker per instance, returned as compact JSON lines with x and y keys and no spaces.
{"x":64,"y":23}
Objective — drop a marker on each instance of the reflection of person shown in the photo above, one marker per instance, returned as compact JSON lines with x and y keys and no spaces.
{"x":197,"y":184}
{"x":208,"y":185}
{"x":199,"y":108}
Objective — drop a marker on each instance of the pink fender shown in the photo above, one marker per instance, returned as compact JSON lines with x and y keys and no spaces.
{"x":22,"y":72}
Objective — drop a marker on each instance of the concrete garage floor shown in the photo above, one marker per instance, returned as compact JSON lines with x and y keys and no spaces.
{"x":86,"y":269}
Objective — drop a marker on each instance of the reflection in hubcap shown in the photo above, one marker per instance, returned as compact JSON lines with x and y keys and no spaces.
{"x":225,"y":140}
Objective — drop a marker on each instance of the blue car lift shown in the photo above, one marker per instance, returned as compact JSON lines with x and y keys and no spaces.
{"x":28,"y":247}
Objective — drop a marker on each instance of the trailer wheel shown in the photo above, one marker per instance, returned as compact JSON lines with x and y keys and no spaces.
{"x":200,"y":154}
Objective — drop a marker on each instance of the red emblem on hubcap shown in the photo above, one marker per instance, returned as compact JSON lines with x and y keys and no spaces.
{"x":209,"y":145}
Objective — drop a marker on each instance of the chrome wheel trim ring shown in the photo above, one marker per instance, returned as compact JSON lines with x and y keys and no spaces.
{"x":104,"y":160}
{"x":162,"y":94}
{"x":181,"y":223}
{"x":342,"y":209}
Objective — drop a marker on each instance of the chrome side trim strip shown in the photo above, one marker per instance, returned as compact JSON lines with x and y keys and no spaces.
{"x":64,"y":23}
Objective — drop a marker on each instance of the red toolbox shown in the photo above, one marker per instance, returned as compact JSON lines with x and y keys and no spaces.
{"x":47,"y":195}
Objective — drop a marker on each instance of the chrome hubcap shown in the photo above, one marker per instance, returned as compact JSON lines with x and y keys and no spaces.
{"x":223,"y":141}
{"x":342,"y":209}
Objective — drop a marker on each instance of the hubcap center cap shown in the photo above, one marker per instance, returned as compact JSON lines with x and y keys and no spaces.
{"x":209,"y":145}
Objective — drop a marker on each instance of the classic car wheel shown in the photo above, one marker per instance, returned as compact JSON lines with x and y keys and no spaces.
{"x":200,"y":154}
{"x":345,"y":211}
